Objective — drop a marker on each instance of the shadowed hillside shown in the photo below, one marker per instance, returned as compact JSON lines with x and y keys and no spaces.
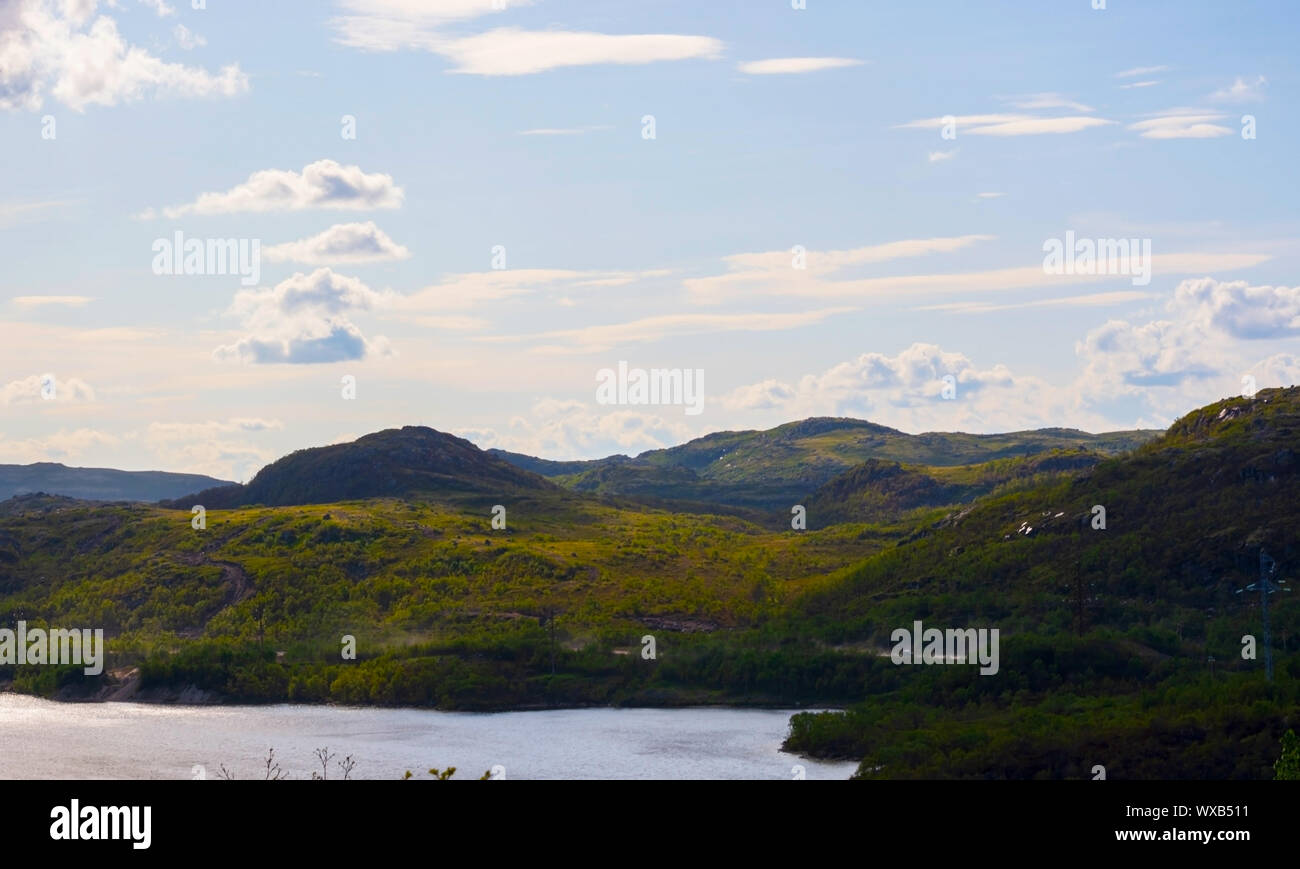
{"x":406,"y":462}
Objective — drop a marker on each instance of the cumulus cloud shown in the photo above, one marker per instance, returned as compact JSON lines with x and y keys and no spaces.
{"x":64,"y":50}
{"x":304,"y":319}
{"x":1238,"y":309}
{"x":907,"y":391}
{"x":573,"y":429}
{"x":341,"y":244}
{"x":324,"y":184}
{"x":791,"y":65}
{"x":1197,"y":353}
{"x":45,"y":387}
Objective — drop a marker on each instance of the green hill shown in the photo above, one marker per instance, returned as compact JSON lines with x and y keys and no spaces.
{"x":773,"y":470}
{"x":407,"y":462}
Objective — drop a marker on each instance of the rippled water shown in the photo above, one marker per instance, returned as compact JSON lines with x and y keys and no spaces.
{"x":43,"y":739}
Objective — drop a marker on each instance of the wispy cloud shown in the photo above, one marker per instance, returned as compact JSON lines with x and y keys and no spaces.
{"x":1241,"y":91}
{"x":395,"y":25}
{"x":793,"y":65}
{"x":1092,"y":300}
{"x":1182,"y":124}
{"x":1140,"y":70}
{"x":51,"y":301}
{"x":1047,"y":101}
{"x":564,"y":131}
{"x":1009,"y":124}
{"x":592,"y":339}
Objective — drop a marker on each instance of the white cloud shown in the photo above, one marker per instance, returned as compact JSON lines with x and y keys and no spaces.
{"x":395,"y":25}
{"x":1238,"y":309}
{"x":773,"y":274}
{"x":55,"y":48}
{"x":1139,"y":84}
{"x":160,"y":7}
{"x":324,"y":184}
{"x":1047,"y":101}
{"x":57,"y":447}
{"x":343,"y":243}
{"x":42,"y":301}
{"x":392,"y":25}
{"x":906,"y":391}
{"x":1039,"y":126}
{"x":31,"y":390}
{"x":940,"y":156}
{"x":14,"y":212}
{"x":510,"y":51}
{"x":1197,"y":354}
{"x":789,"y":65}
{"x":1091,"y":300}
{"x":990,"y":195}
{"x":1241,"y":91}
{"x":218,"y":448}
{"x":573,"y":429}
{"x":563,"y":131}
{"x":1008,"y":124}
{"x":591,"y":339}
{"x":471,"y":289}
{"x":303,"y":320}
{"x":1182,"y":124}
{"x":188,"y":39}
{"x":1140,"y":70}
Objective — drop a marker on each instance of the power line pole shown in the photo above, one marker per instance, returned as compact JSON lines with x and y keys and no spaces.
{"x":1267,"y":568}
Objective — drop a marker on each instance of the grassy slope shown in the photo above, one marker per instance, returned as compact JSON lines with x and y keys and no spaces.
{"x":1151,"y":598}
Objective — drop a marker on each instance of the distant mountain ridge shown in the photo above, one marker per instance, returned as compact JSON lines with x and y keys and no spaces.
{"x":99,"y":484}
{"x":736,"y":471}
{"x":779,"y":467}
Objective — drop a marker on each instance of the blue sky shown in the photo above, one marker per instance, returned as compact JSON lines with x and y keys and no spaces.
{"x":824,"y":128}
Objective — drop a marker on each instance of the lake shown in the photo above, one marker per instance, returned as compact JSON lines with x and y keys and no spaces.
{"x":44,"y":739}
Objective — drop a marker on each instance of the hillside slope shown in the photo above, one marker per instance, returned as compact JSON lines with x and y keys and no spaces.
{"x":775,"y":469}
{"x":406,"y":462}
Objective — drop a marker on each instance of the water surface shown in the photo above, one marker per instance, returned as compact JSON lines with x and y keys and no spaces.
{"x":44,"y":739}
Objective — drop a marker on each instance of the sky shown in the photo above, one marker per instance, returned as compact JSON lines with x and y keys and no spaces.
{"x":464,"y":216}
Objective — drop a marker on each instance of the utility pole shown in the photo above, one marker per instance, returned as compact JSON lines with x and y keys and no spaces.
{"x":1267,"y":568}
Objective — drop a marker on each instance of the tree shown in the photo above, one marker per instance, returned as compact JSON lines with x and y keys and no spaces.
{"x":1287,"y":767}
